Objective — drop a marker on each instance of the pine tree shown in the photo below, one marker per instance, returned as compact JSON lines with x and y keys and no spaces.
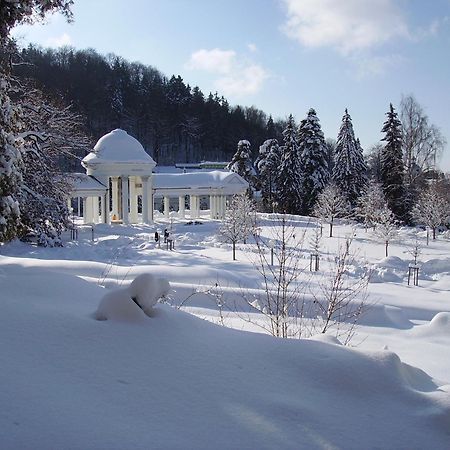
{"x":10,"y":164}
{"x":349,"y":171}
{"x":267,"y":165}
{"x":314,"y":164}
{"x":241,"y":162}
{"x":392,"y":170}
{"x":289,"y":185}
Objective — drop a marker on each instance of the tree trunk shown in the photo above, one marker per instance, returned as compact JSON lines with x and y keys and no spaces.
{"x":331,"y":229}
{"x":434,"y":233}
{"x":387,"y":245}
{"x":234,"y":251}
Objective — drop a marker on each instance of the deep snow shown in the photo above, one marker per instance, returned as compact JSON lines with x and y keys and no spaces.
{"x":172,"y":380}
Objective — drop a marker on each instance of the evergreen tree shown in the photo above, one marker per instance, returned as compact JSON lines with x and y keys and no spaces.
{"x":267,"y":165}
{"x":349,"y":171}
{"x":392,"y":170}
{"x":314,"y":164}
{"x":289,"y":184}
{"x":10,"y":163}
{"x":241,"y":163}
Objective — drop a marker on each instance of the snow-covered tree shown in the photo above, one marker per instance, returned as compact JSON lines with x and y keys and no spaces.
{"x":10,"y":163}
{"x":289,"y":184}
{"x":267,"y":165}
{"x":370,"y":204}
{"x":331,"y":204}
{"x":386,"y":228}
{"x":313,"y":157}
{"x":13,"y":13}
{"x":392,"y":171}
{"x":432,"y":209}
{"x":350,"y":170}
{"x":241,"y":163}
{"x":239,"y":222}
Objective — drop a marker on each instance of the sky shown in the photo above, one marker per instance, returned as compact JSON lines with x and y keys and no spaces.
{"x":282,"y":56}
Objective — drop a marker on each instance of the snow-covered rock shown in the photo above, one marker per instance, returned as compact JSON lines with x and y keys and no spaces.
{"x":133,"y":303}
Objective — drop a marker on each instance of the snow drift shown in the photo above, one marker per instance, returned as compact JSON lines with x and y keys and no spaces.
{"x":135,"y":301}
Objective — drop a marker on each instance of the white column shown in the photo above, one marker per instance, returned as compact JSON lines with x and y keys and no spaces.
{"x":133,"y":201}
{"x":125,"y":198}
{"x":197,"y":204}
{"x":115,"y":197}
{"x":166,"y":206}
{"x":222,"y":206}
{"x":192,"y":206}
{"x":211,"y":206}
{"x":181,"y":212}
{"x":107,"y":217}
{"x":95,"y":209}
{"x":85,"y":209}
{"x":145,"y":199}
{"x":102,"y":209}
{"x":151,"y":200}
{"x":79,"y":206}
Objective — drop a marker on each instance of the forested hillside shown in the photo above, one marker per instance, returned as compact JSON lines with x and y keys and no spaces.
{"x":174,"y":122}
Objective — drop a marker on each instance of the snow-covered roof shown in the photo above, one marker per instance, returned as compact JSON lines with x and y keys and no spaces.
{"x":85,"y":184}
{"x":118,"y":147}
{"x":214,"y":179}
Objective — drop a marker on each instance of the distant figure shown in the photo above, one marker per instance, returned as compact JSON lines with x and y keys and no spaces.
{"x":166,"y":235}
{"x":156,"y":236}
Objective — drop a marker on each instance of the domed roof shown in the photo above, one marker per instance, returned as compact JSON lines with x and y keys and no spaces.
{"x":118,"y":147}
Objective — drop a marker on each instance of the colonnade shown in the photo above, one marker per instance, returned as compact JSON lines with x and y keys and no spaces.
{"x":120,"y":203}
{"x":217,"y":206}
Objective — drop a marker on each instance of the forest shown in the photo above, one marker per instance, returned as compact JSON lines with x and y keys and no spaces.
{"x":174,"y":121}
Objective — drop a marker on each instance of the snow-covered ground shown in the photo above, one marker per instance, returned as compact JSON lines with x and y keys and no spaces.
{"x":172,"y":380}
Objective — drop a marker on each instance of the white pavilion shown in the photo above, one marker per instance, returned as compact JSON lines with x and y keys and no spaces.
{"x":120,"y":185}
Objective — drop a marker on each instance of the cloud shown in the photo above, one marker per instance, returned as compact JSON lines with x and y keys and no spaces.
{"x":214,"y":61}
{"x":252,"y":47}
{"x":345,"y":25}
{"x":59,"y":41}
{"x":246,"y":81}
{"x":235,"y":76}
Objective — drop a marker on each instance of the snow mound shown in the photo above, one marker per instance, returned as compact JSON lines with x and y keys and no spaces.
{"x":385,"y":316}
{"x":133,"y":303}
{"x":441,"y":321}
{"x":390,"y":269}
{"x":435,"y":266}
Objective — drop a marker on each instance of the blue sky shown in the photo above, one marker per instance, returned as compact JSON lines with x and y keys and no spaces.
{"x":283,"y":56}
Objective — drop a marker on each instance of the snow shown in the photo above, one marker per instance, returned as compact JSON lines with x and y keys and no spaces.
{"x":133,"y":303}
{"x":118,"y":147}
{"x":169,"y":379}
{"x":210,"y":179}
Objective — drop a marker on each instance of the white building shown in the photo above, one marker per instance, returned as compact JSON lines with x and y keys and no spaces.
{"x":120,"y":187}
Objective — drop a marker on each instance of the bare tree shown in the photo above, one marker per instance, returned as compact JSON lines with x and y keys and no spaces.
{"x":386,"y":228}
{"x":331,"y":204}
{"x":423,"y":142}
{"x":281,"y":302}
{"x":341,"y":297}
{"x":371,"y":205}
{"x":239,"y":222}
{"x":432,"y":209}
